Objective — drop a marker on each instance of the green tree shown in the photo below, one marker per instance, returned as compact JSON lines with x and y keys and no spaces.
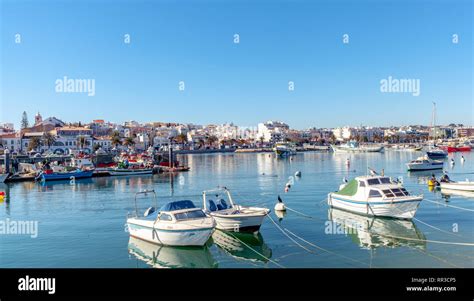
{"x":48,"y":139}
{"x":35,"y":142}
{"x":82,"y":141}
{"x":129,"y":141}
{"x":181,"y":138}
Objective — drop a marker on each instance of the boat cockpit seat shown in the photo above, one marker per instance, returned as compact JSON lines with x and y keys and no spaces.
{"x":149,"y":211}
{"x":212,"y":205}
{"x":222,"y":204}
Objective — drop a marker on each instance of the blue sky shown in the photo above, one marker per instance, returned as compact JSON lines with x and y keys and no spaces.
{"x":336,"y":84}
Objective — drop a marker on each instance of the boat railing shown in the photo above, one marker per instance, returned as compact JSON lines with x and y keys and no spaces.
{"x":145,"y":192}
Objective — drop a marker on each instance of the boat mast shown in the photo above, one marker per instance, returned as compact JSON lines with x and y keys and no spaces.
{"x":433,"y":121}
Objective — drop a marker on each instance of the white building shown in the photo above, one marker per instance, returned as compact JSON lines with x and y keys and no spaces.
{"x":272,"y":131}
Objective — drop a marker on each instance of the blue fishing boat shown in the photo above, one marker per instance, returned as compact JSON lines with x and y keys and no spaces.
{"x":56,"y":176}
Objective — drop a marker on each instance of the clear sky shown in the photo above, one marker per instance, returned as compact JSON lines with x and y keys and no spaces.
{"x":336,"y":84}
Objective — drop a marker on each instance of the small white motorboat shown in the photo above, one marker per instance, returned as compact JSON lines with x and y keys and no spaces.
{"x":461,"y":185}
{"x":377,"y":196}
{"x":424,"y":163}
{"x":232,"y":217}
{"x":177,"y":223}
{"x":355,"y":147}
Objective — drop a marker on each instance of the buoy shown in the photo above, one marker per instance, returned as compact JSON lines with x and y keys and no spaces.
{"x":298,"y":174}
{"x":280,"y":206}
{"x":280,"y":214}
{"x":348,"y":162}
{"x":462,"y":159}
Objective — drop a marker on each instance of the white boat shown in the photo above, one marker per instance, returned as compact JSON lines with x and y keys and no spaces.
{"x":159,"y":256}
{"x":462,"y":185}
{"x":177,"y":223}
{"x":376,"y":196}
{"x":129,"y":171}
{"x":355,"y":147}
{"x":232,"y":217}
{"x":424,"y":163}
{"x":284,"y":149}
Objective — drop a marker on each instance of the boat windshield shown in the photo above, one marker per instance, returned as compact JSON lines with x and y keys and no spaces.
{"x":390,"y":193}
{"x":378,"y":181}
{"x":189,"y":215}
{"x":178,"y":205}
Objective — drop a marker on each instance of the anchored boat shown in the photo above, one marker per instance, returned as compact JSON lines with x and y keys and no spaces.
{"x":48,"y":175}
{"x":117,"y":171}
{"x":377,"y":196}
{"x":232,"y":217}
{"x":177,"y":223}
{"x":462,"y":185}
{"x":284,"y":149}
{"x":424,"y":163}
{"x":355,"y":147}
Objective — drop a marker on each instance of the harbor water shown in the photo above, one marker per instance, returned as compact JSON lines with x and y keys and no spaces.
{"x":82,"y":224}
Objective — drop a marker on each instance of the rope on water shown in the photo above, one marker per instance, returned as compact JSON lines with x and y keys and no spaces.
{"x":283,"y":231}
{"x":263,"y":256}
{"x":297,"y":212}
{"x":325,"y":250}
{"x":427,"y":240}
{"x":447,"y":205}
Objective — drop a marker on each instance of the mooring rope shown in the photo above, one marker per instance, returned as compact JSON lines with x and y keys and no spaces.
{"x":331,"y":252}
{"x":263,"y":256}
{"x":447,"y":205}
{"x":283,"y":231}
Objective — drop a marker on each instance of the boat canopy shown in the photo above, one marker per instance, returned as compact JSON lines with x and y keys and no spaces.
{"x":350,"y":188}
{"x":178,"y":205}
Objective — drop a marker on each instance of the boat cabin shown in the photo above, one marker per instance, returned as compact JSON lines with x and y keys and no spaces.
{"x":173,"y":211}
{"x":373,"y":187}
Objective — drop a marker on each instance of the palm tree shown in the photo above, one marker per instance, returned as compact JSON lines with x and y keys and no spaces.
{"x":35,"y":142}
{"x":48,"y":139}
{"x":129,"y":141}
{"x":82,"y":141}
{"x":181,"y":138}
{"x":116,"y":141}
{"x":211,"y":139}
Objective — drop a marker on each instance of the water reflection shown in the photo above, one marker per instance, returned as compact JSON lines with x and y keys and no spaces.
{"x":448,"y":193}
{"x":375,"y":232}
{"x":159,"y":256}
{"x":236,"y":245}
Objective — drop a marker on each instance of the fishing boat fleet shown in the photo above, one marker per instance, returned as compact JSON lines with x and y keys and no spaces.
{"x":84,"y":166}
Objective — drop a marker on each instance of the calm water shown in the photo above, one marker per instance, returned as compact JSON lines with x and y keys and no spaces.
{"x":83,"y":225}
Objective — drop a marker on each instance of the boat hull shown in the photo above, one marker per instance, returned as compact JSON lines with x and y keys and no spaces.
{"x":403,"y":208}
{"x":462,"y":186}
{"x":130,"y":172}
{"x":436,"y":155}
{"x":238,"y":224}
{"x":451,"y":149}
{"x":414,"y":167}
{"x":167,"y":237}
{"x":338,"y":149}
{"x":66,"y":175}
